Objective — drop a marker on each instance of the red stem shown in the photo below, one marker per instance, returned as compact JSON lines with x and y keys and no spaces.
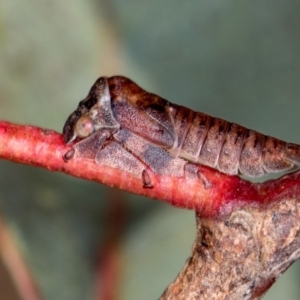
{"x":17,"y":266}
{"x":45,"y":148}
{"x":109,"y":267}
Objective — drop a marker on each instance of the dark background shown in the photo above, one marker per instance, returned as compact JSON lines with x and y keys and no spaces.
{"x":234,"y":59}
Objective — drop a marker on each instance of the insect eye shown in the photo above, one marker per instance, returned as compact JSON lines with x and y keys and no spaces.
{"x":84,"y":127}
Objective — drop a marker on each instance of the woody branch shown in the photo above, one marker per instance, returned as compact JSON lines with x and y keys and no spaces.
{"x":241,"y":255}
{"x":248,"y":234}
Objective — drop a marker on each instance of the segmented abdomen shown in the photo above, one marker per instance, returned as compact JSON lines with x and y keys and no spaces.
{"x":229,"y":147}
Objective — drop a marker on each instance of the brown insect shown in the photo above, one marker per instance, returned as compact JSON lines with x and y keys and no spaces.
{"x":121,"y":125}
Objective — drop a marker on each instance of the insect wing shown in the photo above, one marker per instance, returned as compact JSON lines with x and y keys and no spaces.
{"x":159,"y":110}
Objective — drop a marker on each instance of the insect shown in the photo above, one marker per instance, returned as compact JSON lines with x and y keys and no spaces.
{"x":122,"y":126}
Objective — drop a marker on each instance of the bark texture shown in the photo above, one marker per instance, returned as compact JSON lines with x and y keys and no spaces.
{"x":241,"y":255}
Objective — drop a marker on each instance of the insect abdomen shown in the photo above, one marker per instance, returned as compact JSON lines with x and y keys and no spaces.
{"x":229,"y":147}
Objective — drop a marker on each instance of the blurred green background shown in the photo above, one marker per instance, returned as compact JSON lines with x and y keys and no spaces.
{"x":234,"y":59}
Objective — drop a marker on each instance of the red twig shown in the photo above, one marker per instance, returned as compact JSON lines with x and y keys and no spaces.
{"x":17,"y":266}
{"x":109,"y":267}
{"x":213,"y":194}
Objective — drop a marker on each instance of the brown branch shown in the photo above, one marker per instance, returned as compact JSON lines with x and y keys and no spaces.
{"x":248,"y":234}
{"x":240,"y":256}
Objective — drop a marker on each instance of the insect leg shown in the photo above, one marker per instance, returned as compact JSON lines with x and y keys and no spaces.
{"x":147,"y":184}
{"x":88,"y":147}
{"x":115,"y":156}
{"x":191,"y":171}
